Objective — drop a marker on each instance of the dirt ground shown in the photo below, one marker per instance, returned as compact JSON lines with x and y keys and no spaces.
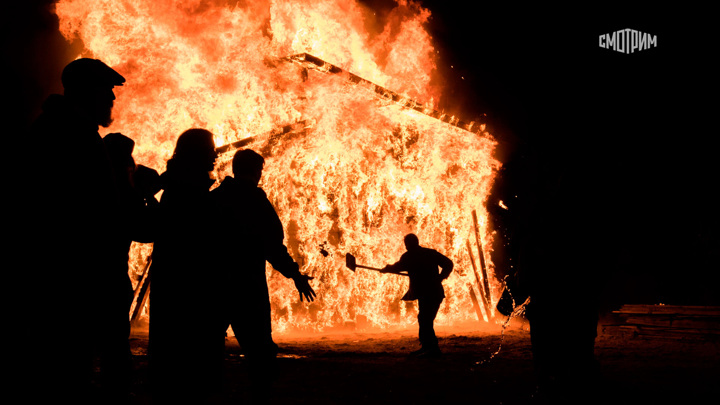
{"x":374,"y":368}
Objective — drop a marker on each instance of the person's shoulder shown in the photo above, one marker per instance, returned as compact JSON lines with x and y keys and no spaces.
{"x":229,"y":190}
{"x":224,"y":185}
{"x":433,"y":253}
{"x":218,"y":193}
{"x":260,"y":193}
{"x":409,"y":256}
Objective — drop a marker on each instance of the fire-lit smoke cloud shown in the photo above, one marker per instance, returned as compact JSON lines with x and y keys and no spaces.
{"x":357,"y":173}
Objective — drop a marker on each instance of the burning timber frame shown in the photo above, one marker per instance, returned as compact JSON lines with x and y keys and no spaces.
{"x":308,"y":61}
{"x":312,"y":62}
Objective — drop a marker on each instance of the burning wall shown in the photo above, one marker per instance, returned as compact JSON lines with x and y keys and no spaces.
{"x":355,"y":174}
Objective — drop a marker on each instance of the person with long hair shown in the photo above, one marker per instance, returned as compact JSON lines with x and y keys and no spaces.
{"x":185,"y":346}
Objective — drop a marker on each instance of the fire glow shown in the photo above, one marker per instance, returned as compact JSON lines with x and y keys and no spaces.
{"x":354,"y":171}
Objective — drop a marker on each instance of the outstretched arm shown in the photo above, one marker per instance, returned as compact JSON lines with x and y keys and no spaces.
{"x":277,"y":253}
{"x":396,"y":268}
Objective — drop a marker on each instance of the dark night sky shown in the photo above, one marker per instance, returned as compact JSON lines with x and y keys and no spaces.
{"x":633,"y":125}
{"x":634,"y":128}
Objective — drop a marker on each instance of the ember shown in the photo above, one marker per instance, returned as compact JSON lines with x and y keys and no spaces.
{"x":356,"y":155}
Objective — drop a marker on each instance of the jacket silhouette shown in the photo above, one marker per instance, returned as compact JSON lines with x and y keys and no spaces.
{"x":421,"y":265}
{"x":255,"y":235}
{"x":185,"y":345}
{"x":76,"y":292}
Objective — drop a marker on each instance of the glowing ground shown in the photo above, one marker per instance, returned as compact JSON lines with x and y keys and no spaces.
{"x":374,"y":368}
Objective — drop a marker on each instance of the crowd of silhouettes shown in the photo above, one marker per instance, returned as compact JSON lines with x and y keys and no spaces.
{"x":94,"y":201}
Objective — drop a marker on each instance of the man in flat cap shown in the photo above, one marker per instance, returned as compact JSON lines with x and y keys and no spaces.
{"x":74,"y":227}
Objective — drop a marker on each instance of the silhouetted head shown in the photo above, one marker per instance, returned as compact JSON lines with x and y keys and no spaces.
{"x":248,"y":164}
{"x":195,"y":150}
{"x":411,"y":242}
{"x":89,"y":84}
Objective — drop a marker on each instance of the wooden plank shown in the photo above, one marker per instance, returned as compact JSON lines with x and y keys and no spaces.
{"x":667,"y":321}
{"x":646,"y":332}
{"x":476,"y":305}
{"x":669,"y":309}
{"x":697,"y":324}
{"x":312,"y":62}
{"x":675,"y":323}
{"x":649,"y":321}
{"x":619,"y":330}
{"x":485,"y":285}
{"x":140,"y":291}
{"x":486,"y":304}
{"x":678,"y":333}
{"x":296,"y":127}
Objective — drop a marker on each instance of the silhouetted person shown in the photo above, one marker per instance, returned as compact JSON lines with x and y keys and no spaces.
{"x":133,"y":217}
{"x":137,"y":186}
{"x":185,"y":344}
{"x":421,"y":265}
{"x":557,"y":250}
{"x":561,"y":267}
{"x":255,"y":235}
{"x":72,"y":230}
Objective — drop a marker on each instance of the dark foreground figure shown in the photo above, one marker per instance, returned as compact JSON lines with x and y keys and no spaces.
{"x":421,"y":265}
{"x":558,"y":249}
{"x":78,"y":296}
{"x":136,"y":213}
{"x":255,"y":236}
{"x":185,"y":346}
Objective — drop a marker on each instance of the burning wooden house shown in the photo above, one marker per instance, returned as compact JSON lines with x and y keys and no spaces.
{"x":351,"y":166}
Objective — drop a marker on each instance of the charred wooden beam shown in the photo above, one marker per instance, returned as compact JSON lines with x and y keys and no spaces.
{"x":476,"y":305}
{"x":312,"y":62}
{"x":486,"y":304}
{"x":473,"y":297}
{"x":270,"y":135}
{"x":485,"y":284}
{"x":142,"y":293}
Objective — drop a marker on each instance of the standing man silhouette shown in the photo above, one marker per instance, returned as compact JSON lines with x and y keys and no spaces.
{"x":76,"y":291}
{"x":255,"y":235}
{"x":421,"y":265}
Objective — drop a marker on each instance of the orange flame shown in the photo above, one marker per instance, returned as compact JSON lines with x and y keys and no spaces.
{"x":357,"y":173}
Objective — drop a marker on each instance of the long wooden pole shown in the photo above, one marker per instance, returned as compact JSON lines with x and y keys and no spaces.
{"x":141,"y":292}
{"x":473,"y":297}
{"x":313,"y":62}
{"x":486,"y":284}
{"x":486,"y":305}
{"x":298,"y":126}
{"x":476,"y":305}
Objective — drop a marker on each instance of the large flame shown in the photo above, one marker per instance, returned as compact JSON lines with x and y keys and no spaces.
{"x":354,"y":175}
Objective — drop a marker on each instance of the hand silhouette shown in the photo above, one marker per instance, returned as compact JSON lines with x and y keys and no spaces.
{"x":303,"y":286}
